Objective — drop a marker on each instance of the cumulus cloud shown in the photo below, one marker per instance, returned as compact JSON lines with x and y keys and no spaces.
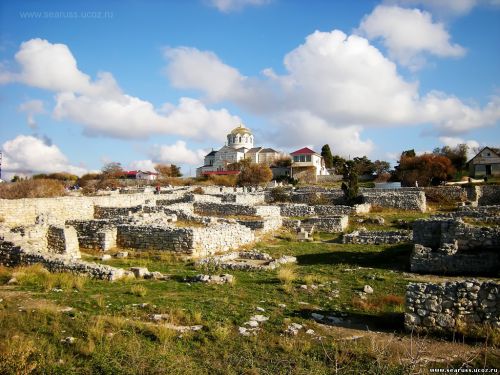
{"x":227,"y":6}
{"x":142,"y":165}
{"x":28,"y":155}
{"x":100,"y":105}
{"x":409,"y":34}
{"x":32,"y":108}
{"x":454,"y":141}
{"x":445,"y":7}
{"x":334,"y":84}
{"x":177,"y":153}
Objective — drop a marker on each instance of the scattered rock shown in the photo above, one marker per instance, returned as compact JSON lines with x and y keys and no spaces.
{"x":293,"y":329}
{"x":367,"y":289}
{"x":213,"y":279}
{"x":260,"y":309}
{"x":259,"y":318}
{"x":317,"y":316}
{"x":68,"y":340}
{"x":122,"y":254}
{"x":139,"y":272}
{"x":12,"y":281}
{"x":105,"y":257}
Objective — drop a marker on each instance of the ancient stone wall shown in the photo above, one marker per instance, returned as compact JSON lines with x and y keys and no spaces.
{"x":332,"y":224}
{"x":451,"y":246}
{"x":452,"y":306}
{"x":296,"y":209}
{"x":245,"y":198}
{"x":12,"y":255}
{"x":264,"y":224}
{"x":235,"y":209}
{"x":148,"y":237}
{"x":402,"y":199}
{"x":113,"y":212}
{"x":95,"y":234}
{"x":57,"y":210}
{"x":490,"y":195}
{"x":329,"y":210}
{"x":446,"y":193}
{"x":220,"y":237}
{"x":378,"y":237}
{"x":63,"y":240}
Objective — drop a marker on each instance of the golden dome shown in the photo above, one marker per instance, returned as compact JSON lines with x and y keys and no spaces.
{"x":241,"y":129}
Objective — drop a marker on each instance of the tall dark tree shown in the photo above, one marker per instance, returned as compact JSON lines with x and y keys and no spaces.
{"x":363,"y":166}
{"x":327,"y":156}
{"x":350,"y":184}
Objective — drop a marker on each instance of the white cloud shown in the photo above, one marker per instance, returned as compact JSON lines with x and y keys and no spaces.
{"x":131,"y":117}
{"x":102,"y":108}
{"x":454,"y":141}
{"x":341,"y":82}
{"x":298,"y":128}
{"x":32,"y":108}
{"x":29,"y":155}
{"x":142,"y":165}
{"x":445,"y":7}
{"x":177,"y":153}
{"x":227,"y":6}
{"x":409,"y":34}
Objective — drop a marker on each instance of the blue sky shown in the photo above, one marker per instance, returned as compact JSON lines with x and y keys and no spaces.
{"x":143,"y":82}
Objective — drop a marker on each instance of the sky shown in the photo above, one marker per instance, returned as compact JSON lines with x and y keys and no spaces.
{"x":84,"y":83}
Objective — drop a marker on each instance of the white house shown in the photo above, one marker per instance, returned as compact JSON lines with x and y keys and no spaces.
{"x":485,"y":163}
{"x":305,"y":160}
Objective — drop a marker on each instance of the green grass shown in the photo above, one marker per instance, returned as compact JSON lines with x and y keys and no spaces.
{"x":114,"y":334}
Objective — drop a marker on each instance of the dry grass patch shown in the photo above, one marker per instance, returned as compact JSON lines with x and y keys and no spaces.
{"x":39,"y":188}
{"x":287,"y":274}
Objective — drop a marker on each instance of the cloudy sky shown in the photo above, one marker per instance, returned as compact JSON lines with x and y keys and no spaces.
{"x":141,"y":82}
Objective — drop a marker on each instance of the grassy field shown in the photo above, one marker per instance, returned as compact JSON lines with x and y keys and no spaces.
{"x":114,"y":333}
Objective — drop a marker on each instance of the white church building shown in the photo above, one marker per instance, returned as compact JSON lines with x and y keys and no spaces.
{"x":240,"y":145}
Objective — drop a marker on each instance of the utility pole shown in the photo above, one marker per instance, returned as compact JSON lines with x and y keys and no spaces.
{"x":1,"y":165}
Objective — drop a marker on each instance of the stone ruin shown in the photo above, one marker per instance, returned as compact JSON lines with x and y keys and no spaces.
{"x":245,"y":261}
{"x":378,"y":237}
{"x":448,"y":245}
{"x":452,"y":306}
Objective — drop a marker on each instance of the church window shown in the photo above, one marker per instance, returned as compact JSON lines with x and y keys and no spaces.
{"x":240,"y":140}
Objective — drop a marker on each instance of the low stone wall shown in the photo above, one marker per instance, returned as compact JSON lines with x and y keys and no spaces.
{"x":490,"y":195}
{"x":195,"y":241}
{"x":63,"y":240}
{"x":235,"y":209}
{"x":113,"y":212}
{"x":12,"y":255}
{"x":148,"y":237}
{"x":402,"y":199}
{"x":220,"y":237}
{"x":95,"y":234}
{"x":264,"y":225}
{"x":57,"y":210}
{"x":452,"y":306}
{"x":378,"y":237}
{"x":450,"y":246}
{"x":332,"y":224}
{"x":245,"y":198}
{"x":329,"y":210}
{"x":446,"y":193}
{"x":296,"y":209}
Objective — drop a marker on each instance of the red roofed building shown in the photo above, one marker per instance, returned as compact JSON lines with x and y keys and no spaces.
{"x":306,"y":162}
